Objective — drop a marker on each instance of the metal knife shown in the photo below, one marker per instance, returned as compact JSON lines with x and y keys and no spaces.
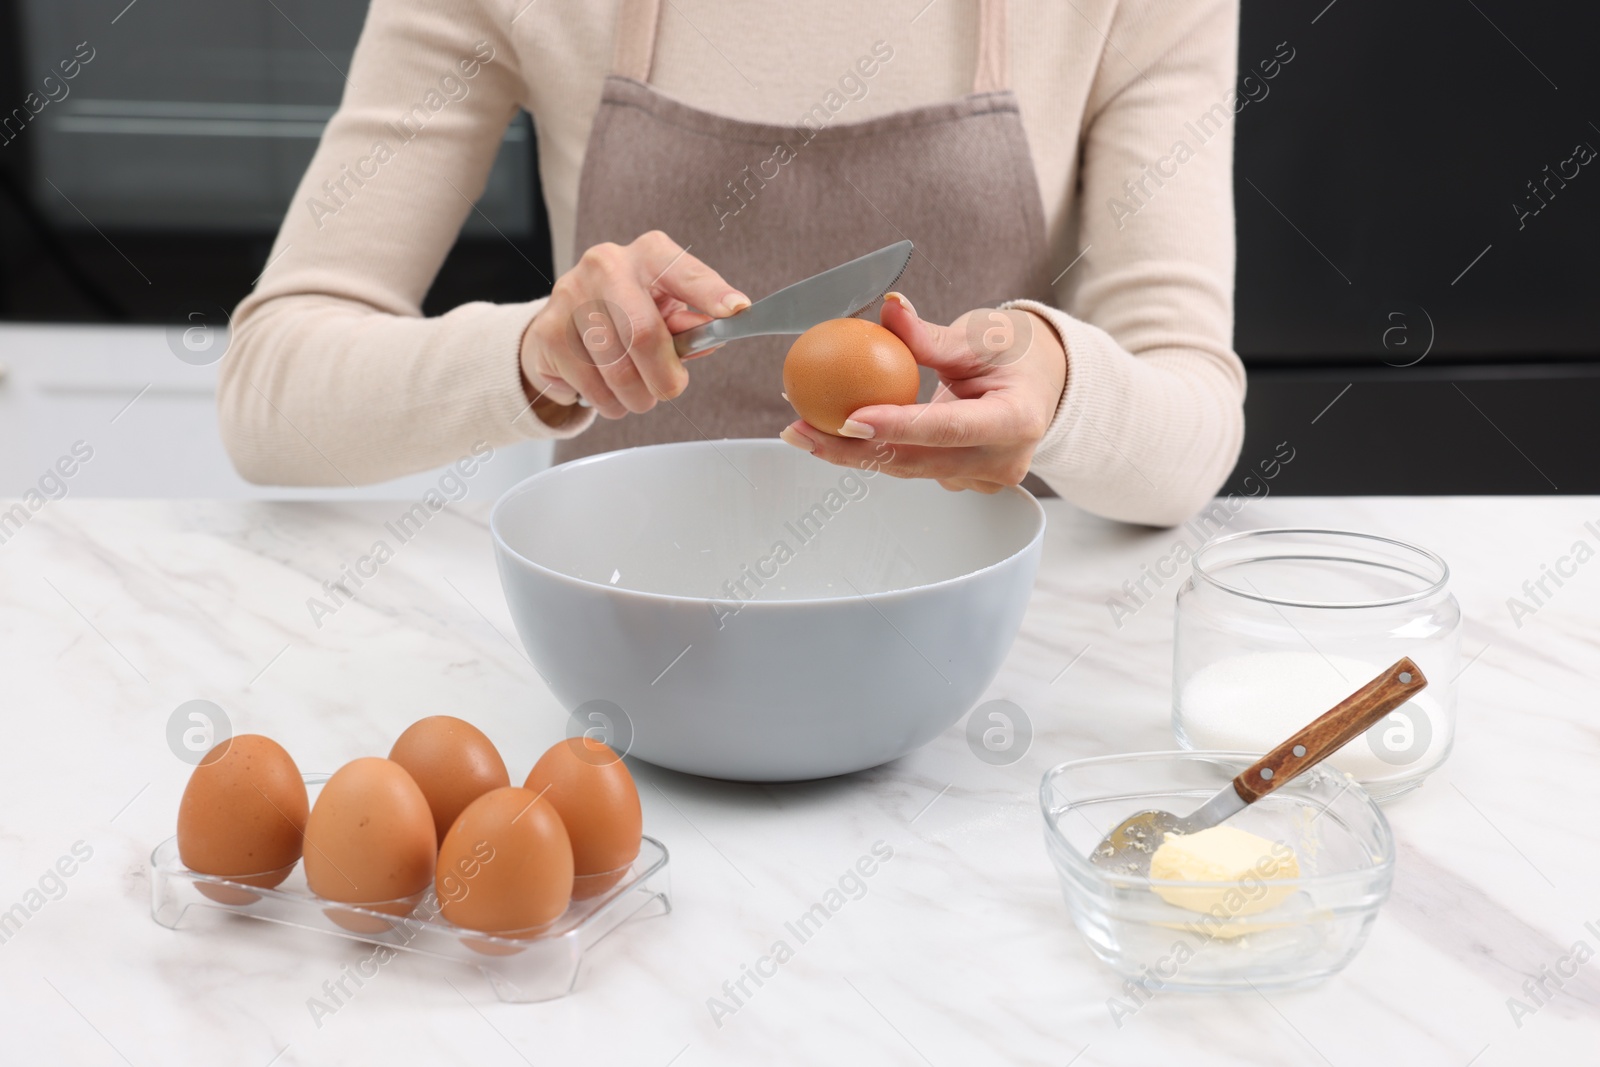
{"x":836,"y":293}
{"x":1129,"y":847}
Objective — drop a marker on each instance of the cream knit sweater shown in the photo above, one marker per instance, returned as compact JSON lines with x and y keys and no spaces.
{"x":334,"y":376}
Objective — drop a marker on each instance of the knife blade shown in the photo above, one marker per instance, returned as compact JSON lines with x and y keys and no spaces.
{"x":836,"y":293}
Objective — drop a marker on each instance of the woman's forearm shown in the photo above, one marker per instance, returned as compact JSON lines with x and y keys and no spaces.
{"x":319,"y":391}
{"x":1147,"y":438}
{"x":1151,"y":420}
{"x":334,"y":377}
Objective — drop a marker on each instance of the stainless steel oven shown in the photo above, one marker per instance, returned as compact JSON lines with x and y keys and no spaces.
{"x":149,"y":149}
{"x":195,"y":116}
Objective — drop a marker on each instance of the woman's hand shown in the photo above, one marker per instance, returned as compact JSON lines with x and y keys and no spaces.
{"x":606,"y":333}
{"x":1001,"y":374}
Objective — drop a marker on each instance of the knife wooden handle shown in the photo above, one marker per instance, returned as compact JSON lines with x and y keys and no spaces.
{"x":1331,"y":731}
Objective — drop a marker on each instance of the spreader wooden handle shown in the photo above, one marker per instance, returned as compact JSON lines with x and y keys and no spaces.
{"x":1331,"y":731}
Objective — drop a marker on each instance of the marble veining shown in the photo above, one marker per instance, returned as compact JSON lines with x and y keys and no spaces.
{"x":958,"y":951}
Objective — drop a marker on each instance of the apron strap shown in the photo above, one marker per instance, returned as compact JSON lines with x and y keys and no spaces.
{"x":637,"y":20}
{"x":634,"y":44}
{"x":994,"y":48}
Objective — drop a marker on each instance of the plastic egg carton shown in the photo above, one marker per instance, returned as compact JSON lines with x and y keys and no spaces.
{"x":544,"y":967}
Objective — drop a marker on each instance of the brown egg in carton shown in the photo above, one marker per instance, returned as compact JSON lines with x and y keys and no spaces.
{"x":431,"y":850}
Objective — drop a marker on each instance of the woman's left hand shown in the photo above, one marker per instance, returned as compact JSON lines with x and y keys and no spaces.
{"x":1001,"y":374}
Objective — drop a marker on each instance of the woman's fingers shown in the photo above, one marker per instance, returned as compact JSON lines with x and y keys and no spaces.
{"x":579,"y":370}
{"x":635,"y":355}
{"x":903,"y":460}
{"x":977,"y":344}
{"x":614,"y":331}
{"x":668,"y":276}
{"x":605,"y":335}
{"x":939,"y":347}
{"x":553,"y":389}
{"x":547,"y":365}
{"x":554,"y":349}
{"x":991,"y":419}
{"x":630,"y":300}
{"x":956,"y":485}
{"x":668,"y":270}
{"x":680,"y":320}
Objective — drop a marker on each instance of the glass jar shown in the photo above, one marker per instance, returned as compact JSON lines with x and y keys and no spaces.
{"x":1276,"y":626}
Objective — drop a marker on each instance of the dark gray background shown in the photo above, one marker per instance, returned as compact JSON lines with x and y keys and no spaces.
{"x":1384,"y":160}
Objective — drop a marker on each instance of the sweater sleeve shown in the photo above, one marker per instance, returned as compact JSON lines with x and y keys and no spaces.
{"x":1151,"y":420}
{"x":333,"y":376}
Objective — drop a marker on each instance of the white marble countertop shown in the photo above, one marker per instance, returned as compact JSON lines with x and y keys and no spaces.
{"x":961,"y":952}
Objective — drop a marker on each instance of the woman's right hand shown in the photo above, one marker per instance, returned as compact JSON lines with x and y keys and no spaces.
{"x":606,"y":333}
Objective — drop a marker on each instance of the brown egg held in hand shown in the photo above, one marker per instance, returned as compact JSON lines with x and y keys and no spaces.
{"x":505,"y":867}
{"x":242,"y":816}
{"x":370,"y":841}
{"x":842,"y":365}
{"x":452,"y":762}
{"x":594,"y":794}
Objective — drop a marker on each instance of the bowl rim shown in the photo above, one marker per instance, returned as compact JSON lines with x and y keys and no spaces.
{"x":1382,"y":869}
{"x":505,"y":551}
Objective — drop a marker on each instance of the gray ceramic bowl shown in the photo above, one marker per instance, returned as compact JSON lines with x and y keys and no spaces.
{"x":740,"y":609}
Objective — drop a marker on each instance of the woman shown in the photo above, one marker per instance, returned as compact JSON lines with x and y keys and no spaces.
{"x":1068,"y":188}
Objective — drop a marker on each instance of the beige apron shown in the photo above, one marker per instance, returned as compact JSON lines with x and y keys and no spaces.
{"x":767,"y":205}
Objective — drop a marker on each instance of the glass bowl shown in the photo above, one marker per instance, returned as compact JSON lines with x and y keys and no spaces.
{"x":1272,"y":934}
{"x":1276,"y":626}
